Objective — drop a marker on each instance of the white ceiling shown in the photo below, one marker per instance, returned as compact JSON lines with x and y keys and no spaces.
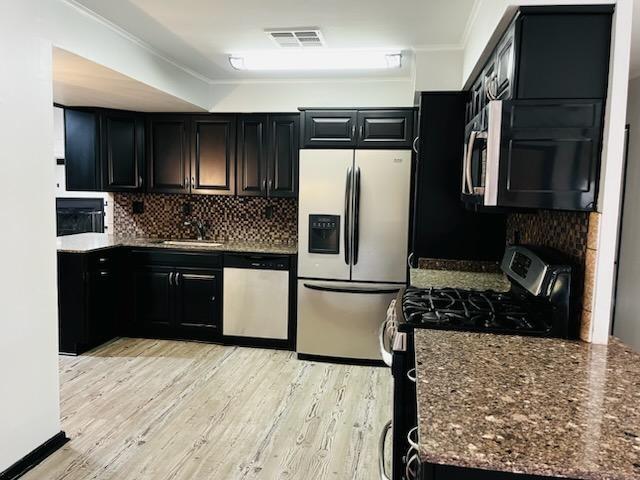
{"x":78,"y":81}
{"x":200,"y":34}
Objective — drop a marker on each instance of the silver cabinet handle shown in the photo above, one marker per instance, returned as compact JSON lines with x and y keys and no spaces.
{"x":387,"y":357}
{"x":381,"y":447}
{"x":411,"y":375}
{"x":353,"y":131}
{"x":264,"y":184}
{"x":415,"y":144}
{"x":361,"y":135}
{"x":171,"y":279}
{"x":410,"y":260}
{"x":139,"y":180}
{"x":177,"y":279}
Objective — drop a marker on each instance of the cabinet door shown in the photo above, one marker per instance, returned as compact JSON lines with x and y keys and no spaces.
{"x":252,"y":155}
{"x":283,"y":155}
{"x":213,"y":148}
{"x":198,"y":303}
{"x":168,"y":153}
{"x":549,"y":154}
{"x":504,"y":66}
{"x":385,"y":128}
{"x":102,"y":311}
{"x":82,"y":150}
{"x":330,"y":128}
{"x":123,"y":151}
{"x":154,"y":298}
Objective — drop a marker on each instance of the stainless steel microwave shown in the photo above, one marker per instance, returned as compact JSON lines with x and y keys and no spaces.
{"x":538,"y":154}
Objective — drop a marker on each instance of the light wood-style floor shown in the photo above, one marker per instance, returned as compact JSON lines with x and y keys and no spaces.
{"x":159,"y":410}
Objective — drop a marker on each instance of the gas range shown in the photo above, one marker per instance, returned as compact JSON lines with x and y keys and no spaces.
{"x":475,"y":311}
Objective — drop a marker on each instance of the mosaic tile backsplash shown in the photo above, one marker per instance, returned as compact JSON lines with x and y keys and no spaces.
{"x":564,"y":231}
{"x":250,"y":219}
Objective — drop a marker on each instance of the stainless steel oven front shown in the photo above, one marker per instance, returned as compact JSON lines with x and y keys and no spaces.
{"x":481,"y":160}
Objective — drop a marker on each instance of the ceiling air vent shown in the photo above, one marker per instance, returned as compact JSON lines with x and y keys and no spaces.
{"x":297,"y":37}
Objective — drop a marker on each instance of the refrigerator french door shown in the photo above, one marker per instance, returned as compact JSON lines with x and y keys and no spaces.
{"x":353,"y":229}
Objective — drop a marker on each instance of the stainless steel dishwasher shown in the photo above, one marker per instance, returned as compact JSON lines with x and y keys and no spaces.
{"x":256,"y":297}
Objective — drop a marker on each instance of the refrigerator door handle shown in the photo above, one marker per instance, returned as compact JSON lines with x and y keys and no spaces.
{"x":356,"y":217}
{"x":347,"y":218}
{"x":366,"y":291}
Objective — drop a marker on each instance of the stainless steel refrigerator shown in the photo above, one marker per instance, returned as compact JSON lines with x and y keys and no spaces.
{"x":353,"y":229}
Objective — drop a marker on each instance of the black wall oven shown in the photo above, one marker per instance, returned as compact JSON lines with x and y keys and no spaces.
{"x":79,"y":215}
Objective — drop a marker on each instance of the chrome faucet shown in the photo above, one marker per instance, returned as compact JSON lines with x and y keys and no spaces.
{"x":200,"y":226}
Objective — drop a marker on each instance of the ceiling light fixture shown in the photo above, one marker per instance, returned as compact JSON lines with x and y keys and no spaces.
{"x":317,"y":60}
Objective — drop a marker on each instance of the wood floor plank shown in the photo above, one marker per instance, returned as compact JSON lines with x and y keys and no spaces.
{"x":139,"y":409}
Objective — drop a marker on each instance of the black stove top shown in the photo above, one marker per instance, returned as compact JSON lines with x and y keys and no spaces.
{"x":477,"y":311}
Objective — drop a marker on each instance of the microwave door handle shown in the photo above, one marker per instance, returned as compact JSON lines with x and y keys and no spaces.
{"x":347,"y":218}
{"x":468,"y":180}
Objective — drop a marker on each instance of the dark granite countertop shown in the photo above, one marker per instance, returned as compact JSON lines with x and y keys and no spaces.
{"x":426,"y":278}
{"x":89,"y":242}
{"x":529,"y":405}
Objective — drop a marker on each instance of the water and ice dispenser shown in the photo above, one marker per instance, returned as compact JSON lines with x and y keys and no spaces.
{"x":324,"y":234}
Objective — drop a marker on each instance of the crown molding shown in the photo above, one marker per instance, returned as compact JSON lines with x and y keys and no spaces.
{"x":473,"y":15}
{"x":135,"y":39}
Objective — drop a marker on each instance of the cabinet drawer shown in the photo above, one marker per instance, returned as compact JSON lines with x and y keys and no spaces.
{"x":176,"y":258}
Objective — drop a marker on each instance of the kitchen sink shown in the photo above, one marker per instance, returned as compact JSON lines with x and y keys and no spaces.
{"x":192,"y":243}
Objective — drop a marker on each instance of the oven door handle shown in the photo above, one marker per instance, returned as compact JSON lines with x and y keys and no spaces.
{"x":386,"y":355}
{"x":381,"y":447}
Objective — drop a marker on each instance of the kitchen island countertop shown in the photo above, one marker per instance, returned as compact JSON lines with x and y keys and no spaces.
{"x":538,"y":406}
{"x":89,"y":242}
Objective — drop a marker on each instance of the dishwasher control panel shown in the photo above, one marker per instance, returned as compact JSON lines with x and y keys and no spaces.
{"x":256,"y":261}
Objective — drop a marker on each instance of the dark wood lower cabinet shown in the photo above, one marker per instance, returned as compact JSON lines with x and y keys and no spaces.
{"x":154,"y":300}
{"x":198,"y":302}
{"x":88,"y":303}
{"x":173,"y":301}
{"x":148,"y":293}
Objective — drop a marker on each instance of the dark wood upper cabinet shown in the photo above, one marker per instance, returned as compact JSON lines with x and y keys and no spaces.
{"x":122,"y":151}
{"x":283,"y":156}
{"x":213,"y":147}
{"x":252,"y":155}
{"x":82,"y":150}
{"x":330,"y":128}
{"x":385,"y":128}
{"x":168,"y":153}
{"x":367,"y":128}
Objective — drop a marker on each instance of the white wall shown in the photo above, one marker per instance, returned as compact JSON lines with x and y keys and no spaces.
{"x":29,"y":412}
{"x":627,"y":319}
{"x":287,"y":96}
{"x":437,"y":70}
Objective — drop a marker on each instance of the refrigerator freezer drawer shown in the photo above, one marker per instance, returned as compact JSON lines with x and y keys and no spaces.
{"x":342,"y":319}
{"x":256,"y":303}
